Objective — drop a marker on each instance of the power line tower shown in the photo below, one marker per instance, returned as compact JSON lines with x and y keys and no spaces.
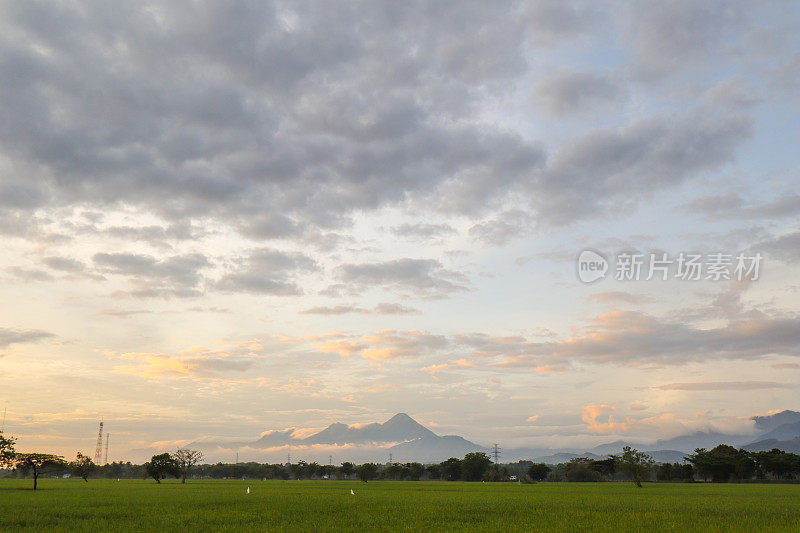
{"x":496,"y":453}
{"x":3,"y":427}
{"x":98,"y":449}
{"x":107,"y":437}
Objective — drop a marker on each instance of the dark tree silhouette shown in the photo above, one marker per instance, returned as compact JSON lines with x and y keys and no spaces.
{"x":634,"y":464}
{"x":367,"y":471}
{"x":83,"y":466}
{"x":36,"y":463}
{"x":186,"y":459}
{"x":538,"y":471}
{"x":6,"y":450}
{"x":474,"y":465}
{"x":161,"y":466}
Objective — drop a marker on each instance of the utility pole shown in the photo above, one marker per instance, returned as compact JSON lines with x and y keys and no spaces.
{"x":496,"y":453}
{"x":288,"y":458}
{"x":330,"y":460}
{"x":390,"y":458}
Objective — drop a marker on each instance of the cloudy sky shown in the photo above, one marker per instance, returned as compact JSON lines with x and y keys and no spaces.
{"x":223,"y":218}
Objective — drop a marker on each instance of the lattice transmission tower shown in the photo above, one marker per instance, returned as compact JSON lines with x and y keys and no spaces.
{"x":496,"y":453}
{"x":98,"y":450}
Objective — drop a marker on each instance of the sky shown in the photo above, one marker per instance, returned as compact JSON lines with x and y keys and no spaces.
{"x":222,"y":218}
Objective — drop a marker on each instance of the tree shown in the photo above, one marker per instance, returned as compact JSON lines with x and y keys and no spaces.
{"x":347,"y":469}
{"x":674,"y":472}
{"x":186,"y":459}
{"x":367,"y":471}
{"x":538,"y":471}
{"x":451,"y":469}
{"x":394,"y":471}
{"x":634,"y":464}
{"x":415,"y":471}
{"x":162,"y":465}
{"x":83,"y":466}
{"x":474,"y":466}
{"x":722,"y":463}
{"x":434,"y":471}
{"x":778,"y":463}
{"x":581,"y":469}
{"x":6,"y":450}
{"x":37,"y":463}
{"x":313,"y":469}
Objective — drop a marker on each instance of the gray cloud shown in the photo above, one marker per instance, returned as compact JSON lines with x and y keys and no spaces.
{"x":29,"y":274}
{"x":502,"y":228}
{"x":597,"y":171}
{"x":424,"y":277}
{"x":64,"y":264}
{"x":732,"y":206}
{"x":786,"y":247}
{"x":637,"y":339}
{"x":423,"y":231}
{"x":266,"y":271}
{"x":382,"y":308}
{"x":568,"y":92}
{"x":19,"y":336}
{"x":385,"y":308}
{"x":335,"y":310}
{"x":553,"y":21}
{"x":726,"y":385}
{"x":178,"y":275}
{"x":291,"y":119}
{"x":670,"y":36}
{"x":288,"y":118}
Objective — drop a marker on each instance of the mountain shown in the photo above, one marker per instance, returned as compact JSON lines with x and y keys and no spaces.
{"x":399,"y":428}
{"x":402,"y":436}
{"x":783,"y":432}
{"x":408,"y":440}
{"x":769,"y":423}
{"x":699,"y":439}
{"x":779,"y":426}
{"x":433,"y":448}
{"x":792,"y":445}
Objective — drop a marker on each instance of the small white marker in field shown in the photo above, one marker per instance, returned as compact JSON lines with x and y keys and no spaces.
{"x":351,"y":492}
{"x":248,"y":490}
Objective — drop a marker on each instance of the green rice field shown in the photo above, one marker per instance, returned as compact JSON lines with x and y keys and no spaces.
{"x":110,"y":505}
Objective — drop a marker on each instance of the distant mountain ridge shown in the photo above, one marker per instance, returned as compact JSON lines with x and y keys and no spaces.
{"x":398,"y":429}
{"x":405,"y":439}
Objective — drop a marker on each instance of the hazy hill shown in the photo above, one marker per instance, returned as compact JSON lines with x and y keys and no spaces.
{"x":408,"y":440}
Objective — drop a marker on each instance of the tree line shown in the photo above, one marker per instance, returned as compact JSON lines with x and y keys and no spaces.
{"x":721,"y":464}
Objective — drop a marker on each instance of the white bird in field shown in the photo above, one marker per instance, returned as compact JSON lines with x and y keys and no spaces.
{"x":351,"y":492}
{"x":248,"y":490}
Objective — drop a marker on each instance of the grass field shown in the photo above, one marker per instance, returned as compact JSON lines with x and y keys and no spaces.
{"x":68,"y":504}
